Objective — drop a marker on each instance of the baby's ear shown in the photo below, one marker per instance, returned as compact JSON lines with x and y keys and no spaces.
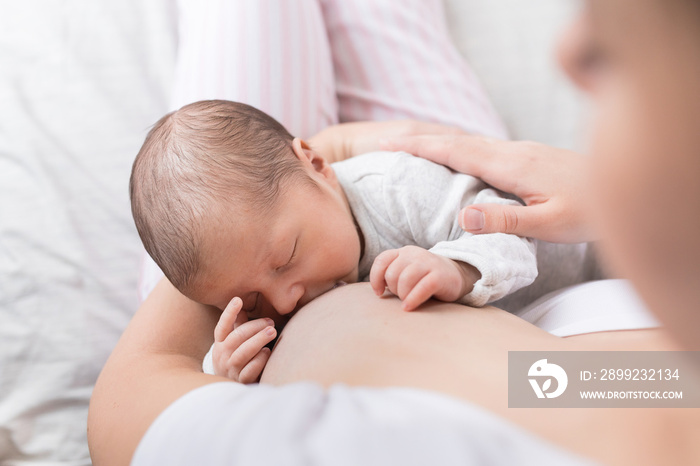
{"x":307,"y":155}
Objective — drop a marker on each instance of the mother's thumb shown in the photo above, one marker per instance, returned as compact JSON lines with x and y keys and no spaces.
{"x":491,"y":218}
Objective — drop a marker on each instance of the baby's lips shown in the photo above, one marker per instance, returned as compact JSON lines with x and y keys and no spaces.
{"x":339,"y":284}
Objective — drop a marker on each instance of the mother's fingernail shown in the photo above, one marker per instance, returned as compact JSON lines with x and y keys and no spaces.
{"x":472,"y":220}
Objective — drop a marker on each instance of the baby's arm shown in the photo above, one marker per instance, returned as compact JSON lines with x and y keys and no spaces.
{"x":474,"y":270}
{"x":239,"y":351}
{"x":505,"y":262}
{"x":421,"y":201}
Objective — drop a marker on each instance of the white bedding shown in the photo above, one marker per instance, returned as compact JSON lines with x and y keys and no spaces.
{"x":80,"y":84}
{"x":590,"y":307}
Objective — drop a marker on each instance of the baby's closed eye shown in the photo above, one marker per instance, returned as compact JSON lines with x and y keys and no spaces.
{"x":291,"y":258}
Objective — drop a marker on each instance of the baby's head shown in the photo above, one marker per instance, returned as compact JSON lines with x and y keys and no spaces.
{"x":229,"y":204}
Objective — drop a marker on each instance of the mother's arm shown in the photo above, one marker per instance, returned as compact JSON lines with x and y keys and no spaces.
{"x":345,"y":140}
{"x":148,"y":370}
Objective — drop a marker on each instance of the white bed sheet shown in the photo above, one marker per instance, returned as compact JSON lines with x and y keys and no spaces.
{"x":80,"y":82}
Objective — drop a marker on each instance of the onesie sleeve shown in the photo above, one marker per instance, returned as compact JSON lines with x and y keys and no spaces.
{"x":424,"y":199}
{"x":506,"y":262}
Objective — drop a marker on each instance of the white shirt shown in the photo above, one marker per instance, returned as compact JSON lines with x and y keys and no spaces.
{"x":303,"y":424}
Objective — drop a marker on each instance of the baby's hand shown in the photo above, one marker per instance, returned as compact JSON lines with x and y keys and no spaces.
{"x":415,"y":275}
{"x":239,"y":351}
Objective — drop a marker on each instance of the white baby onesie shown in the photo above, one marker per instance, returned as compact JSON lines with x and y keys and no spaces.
{"x":398,"y":200}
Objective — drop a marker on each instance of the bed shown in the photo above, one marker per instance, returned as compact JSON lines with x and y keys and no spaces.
{"x":80,"y":84}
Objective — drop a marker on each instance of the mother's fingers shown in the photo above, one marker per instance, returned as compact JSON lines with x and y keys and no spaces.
{"x":517,"y":167}
{"x":498,"y":218}
{"x":475,"y":155}
{"x":551,"y":221}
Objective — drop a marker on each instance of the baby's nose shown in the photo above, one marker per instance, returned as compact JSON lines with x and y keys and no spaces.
{"x":289,"y":301}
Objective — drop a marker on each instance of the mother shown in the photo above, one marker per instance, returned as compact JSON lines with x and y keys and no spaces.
{"x":639,"y":58}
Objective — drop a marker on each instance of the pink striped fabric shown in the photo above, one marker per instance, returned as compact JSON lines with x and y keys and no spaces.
{"x":313,"y":63}
{"x":271,"y":54}
{"x":396,"y":60}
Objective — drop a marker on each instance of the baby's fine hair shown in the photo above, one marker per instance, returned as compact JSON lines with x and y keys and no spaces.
{"x":194,"y":164}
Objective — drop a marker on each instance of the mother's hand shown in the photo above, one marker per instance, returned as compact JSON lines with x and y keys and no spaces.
{"x":552,"y":182}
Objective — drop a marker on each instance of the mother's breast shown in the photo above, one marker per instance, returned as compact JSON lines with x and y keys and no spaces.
{"x":349,"y":335}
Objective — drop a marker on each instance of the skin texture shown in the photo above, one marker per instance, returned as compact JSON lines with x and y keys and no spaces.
{"x":640,"y":61}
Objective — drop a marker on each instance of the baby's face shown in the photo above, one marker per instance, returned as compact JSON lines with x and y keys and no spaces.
{"x":278,"y":262}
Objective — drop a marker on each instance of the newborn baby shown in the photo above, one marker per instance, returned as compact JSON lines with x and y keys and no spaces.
{"x":229,"y":204}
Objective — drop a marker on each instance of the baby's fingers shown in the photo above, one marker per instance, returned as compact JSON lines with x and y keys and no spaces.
{"x":379,"y":267}
{"x":247,"y":350}
{"x":228,"y":319}
{"x":408,"y":278}
{"x":251,"y":372}
{"x":243,"y":333}
{"x":424,"y":289}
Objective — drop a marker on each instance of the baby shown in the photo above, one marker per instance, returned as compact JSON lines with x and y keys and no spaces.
{"x":229,"y":204}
